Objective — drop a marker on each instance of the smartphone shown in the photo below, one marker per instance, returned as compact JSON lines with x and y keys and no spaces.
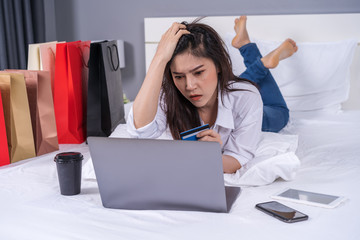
{"x":281,"y":212}
{"x":310,"y":198}
{"x":190,"y":135}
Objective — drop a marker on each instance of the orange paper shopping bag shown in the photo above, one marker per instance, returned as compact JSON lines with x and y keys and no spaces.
{"x":68,"y":93}
{"x":4,"y":152}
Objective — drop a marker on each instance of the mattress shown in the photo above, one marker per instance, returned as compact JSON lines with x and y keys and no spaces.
{"x":32,"y":207}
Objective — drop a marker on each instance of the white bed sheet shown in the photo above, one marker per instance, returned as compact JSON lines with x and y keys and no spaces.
{"x":31,"y":206}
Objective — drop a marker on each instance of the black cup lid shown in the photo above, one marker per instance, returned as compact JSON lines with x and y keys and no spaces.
{"x":67,"y":157}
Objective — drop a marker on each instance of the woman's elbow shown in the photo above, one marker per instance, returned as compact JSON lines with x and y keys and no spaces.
{"x":230,"y":164}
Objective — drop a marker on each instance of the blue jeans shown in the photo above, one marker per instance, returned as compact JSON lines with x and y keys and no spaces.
{"x":276,"y":113}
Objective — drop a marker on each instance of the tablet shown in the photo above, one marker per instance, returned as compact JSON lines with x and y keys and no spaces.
{"x":310,"y":198}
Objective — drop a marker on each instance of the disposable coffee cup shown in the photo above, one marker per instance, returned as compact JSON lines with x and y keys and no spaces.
{"x":69,"y":165}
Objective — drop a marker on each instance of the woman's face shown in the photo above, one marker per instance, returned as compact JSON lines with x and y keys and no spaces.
{"x":196,"y":78}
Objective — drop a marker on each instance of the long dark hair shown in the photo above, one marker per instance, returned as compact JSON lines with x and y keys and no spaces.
{"x":203,"y":41}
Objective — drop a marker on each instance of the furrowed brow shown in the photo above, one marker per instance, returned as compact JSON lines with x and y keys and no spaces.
{"x":192,"y":70}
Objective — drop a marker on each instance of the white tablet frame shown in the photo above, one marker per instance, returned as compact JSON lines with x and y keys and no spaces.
{"x":333,"y":204}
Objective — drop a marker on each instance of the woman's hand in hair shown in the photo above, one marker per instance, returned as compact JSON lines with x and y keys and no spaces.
{"x":209,"y":136}
{"x":146,"y":102}
{"x":169,"y":41}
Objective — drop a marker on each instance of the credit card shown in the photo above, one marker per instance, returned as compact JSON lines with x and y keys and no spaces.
{"x":190,"y":135}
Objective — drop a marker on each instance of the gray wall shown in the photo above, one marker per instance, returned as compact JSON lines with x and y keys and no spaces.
{"x":124,"y":19}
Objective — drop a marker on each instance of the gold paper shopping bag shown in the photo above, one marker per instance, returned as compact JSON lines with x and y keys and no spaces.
{"x":17,"y":116}
{"x":38,"y":85}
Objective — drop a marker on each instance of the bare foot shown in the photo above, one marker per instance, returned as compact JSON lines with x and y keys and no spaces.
{"x":241,"y":38}
{"x":285,"y":50}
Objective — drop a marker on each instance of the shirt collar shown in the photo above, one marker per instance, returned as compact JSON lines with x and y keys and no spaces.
{"x":224,"y":115}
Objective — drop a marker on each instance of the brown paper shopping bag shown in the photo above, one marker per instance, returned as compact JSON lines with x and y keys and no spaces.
{"x":17,"y":116}
{"x":38,"y":86}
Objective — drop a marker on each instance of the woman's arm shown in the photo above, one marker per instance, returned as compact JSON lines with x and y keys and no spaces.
{"x":230,"y":164}
{"x":243,"y":140}
{"x":146,"y":101}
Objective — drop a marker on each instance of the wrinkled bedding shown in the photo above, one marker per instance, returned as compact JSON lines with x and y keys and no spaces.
{"x":322,"y":150}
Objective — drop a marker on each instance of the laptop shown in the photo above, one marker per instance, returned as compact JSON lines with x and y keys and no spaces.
{"x":153,"y":174}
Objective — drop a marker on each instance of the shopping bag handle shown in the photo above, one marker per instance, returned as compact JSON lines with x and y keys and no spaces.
{"x":117,"y":54}
{"x":51,"y":51}
{"x":82,"y":55}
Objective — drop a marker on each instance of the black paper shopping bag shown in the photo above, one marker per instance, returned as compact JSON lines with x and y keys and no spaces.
{"x":105,"y":106}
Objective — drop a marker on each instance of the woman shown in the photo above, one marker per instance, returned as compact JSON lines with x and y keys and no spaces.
{"x":190,"y":83}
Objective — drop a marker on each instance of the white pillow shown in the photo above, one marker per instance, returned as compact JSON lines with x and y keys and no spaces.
{"x":127,"y":108}
{"x":316,"y":77}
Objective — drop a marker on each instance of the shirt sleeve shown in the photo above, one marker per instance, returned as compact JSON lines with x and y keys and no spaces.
{"x":152,"y":130}
{"x":243,"y":140}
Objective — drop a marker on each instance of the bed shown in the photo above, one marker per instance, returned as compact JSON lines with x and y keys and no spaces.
{"x":317,"y":151}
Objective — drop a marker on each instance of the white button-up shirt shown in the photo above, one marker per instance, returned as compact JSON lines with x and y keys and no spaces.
{"x":239,"y":121}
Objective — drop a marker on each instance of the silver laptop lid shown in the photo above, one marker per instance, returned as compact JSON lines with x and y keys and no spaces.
{"x":159,"y":174}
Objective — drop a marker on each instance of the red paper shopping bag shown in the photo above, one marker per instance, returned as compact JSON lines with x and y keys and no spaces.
{"x":68,"y":93}
{"x":80,"y":51}
{"x":85,"y":55}
{"x":4,"y":152}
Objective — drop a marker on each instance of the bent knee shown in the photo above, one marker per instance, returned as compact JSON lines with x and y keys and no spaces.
{"x":275,"y":119}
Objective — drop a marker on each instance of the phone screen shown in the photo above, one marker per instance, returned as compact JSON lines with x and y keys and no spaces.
{"x":281,"y":211}
{"x":308,"y":196}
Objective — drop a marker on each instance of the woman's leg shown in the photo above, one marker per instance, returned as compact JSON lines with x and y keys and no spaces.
{"x":276,"y":113}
